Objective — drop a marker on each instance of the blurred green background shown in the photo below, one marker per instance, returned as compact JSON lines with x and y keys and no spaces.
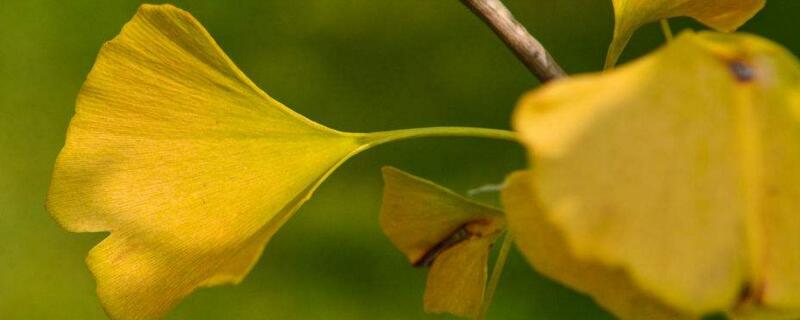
{"x":355,"y":65}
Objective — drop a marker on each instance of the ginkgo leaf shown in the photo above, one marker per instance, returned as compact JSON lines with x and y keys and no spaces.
{"x":680,"y":169}
{"x":722,"y":15}
{"x":189,"y":165}
{"x":433,"y":225}
{"x":545,"y":247}
{"x":457,"y":279}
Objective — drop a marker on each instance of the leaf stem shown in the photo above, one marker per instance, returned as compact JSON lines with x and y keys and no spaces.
{"x":497,"y":271}
{"x":666,"y":29}
{"x":381,"y":137}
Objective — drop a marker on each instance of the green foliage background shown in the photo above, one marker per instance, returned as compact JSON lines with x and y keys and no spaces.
{"x":355,"y":65}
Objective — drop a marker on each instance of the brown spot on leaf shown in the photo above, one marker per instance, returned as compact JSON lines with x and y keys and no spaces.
{"x":771,"y":190}
{"x":751,"y":294}
{"x":743,"y":71}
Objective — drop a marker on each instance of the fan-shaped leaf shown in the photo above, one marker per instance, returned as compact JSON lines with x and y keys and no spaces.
{"x":189,"y":165}
{"x":680,"y":169}
{"x":433,"y":225}
{"x":722,"y":15}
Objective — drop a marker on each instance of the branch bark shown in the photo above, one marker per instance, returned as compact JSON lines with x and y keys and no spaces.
{"x":527,"y":49}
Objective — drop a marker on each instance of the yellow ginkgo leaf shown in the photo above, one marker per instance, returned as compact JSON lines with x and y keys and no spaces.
{"x":544,"y":246}
{"x":457,"y":279}
{"x":681,"y":170}
{"x":722,"y":15}
{"x":189,"y":165}
{"x":433,"y":225}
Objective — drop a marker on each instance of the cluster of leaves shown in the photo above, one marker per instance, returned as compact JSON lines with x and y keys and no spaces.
{"x":665,"y":189}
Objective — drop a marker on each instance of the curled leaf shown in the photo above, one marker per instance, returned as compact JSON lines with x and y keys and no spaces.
{"x":680,"y":170}
{"x":722,"y":15}
{"x":189,"y":165}
{"x":433,"y":225}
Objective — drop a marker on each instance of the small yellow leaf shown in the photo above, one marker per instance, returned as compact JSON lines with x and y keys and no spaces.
{"x":457,"y":279}
{"x":189,"y":165}
{"x":431,"y":224}
{"x":417,"y":215}
{"x":680,"y":169}
{"x":722,"y":15}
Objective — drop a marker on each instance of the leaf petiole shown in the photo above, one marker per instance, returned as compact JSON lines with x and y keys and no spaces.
{"x":666,"y":30}
{"x":381,"y":137}
{"x":497,"y":271}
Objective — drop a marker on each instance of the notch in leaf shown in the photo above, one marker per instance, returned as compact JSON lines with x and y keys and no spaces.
{"x":721,"y":15}
{"x":435,"y":226}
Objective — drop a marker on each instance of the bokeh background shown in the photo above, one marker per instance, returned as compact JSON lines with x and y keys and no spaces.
{"x":356,"y":65}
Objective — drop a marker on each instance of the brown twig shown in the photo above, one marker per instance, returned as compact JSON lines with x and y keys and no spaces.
{"x":516,"y":37}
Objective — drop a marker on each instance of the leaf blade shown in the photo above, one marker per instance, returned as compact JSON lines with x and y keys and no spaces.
{"x":189,"y":165}
{"x":665,"y":168}
{"x":721,"y":15}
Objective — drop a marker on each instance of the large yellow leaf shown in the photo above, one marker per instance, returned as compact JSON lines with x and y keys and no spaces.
{"x":722,"y":15}
{"x":433,"y":225}
{"x":681,"y":169}
{"x":189,"y":165}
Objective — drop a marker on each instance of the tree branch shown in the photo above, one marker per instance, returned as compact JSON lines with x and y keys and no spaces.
{"x":516,"y":37}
